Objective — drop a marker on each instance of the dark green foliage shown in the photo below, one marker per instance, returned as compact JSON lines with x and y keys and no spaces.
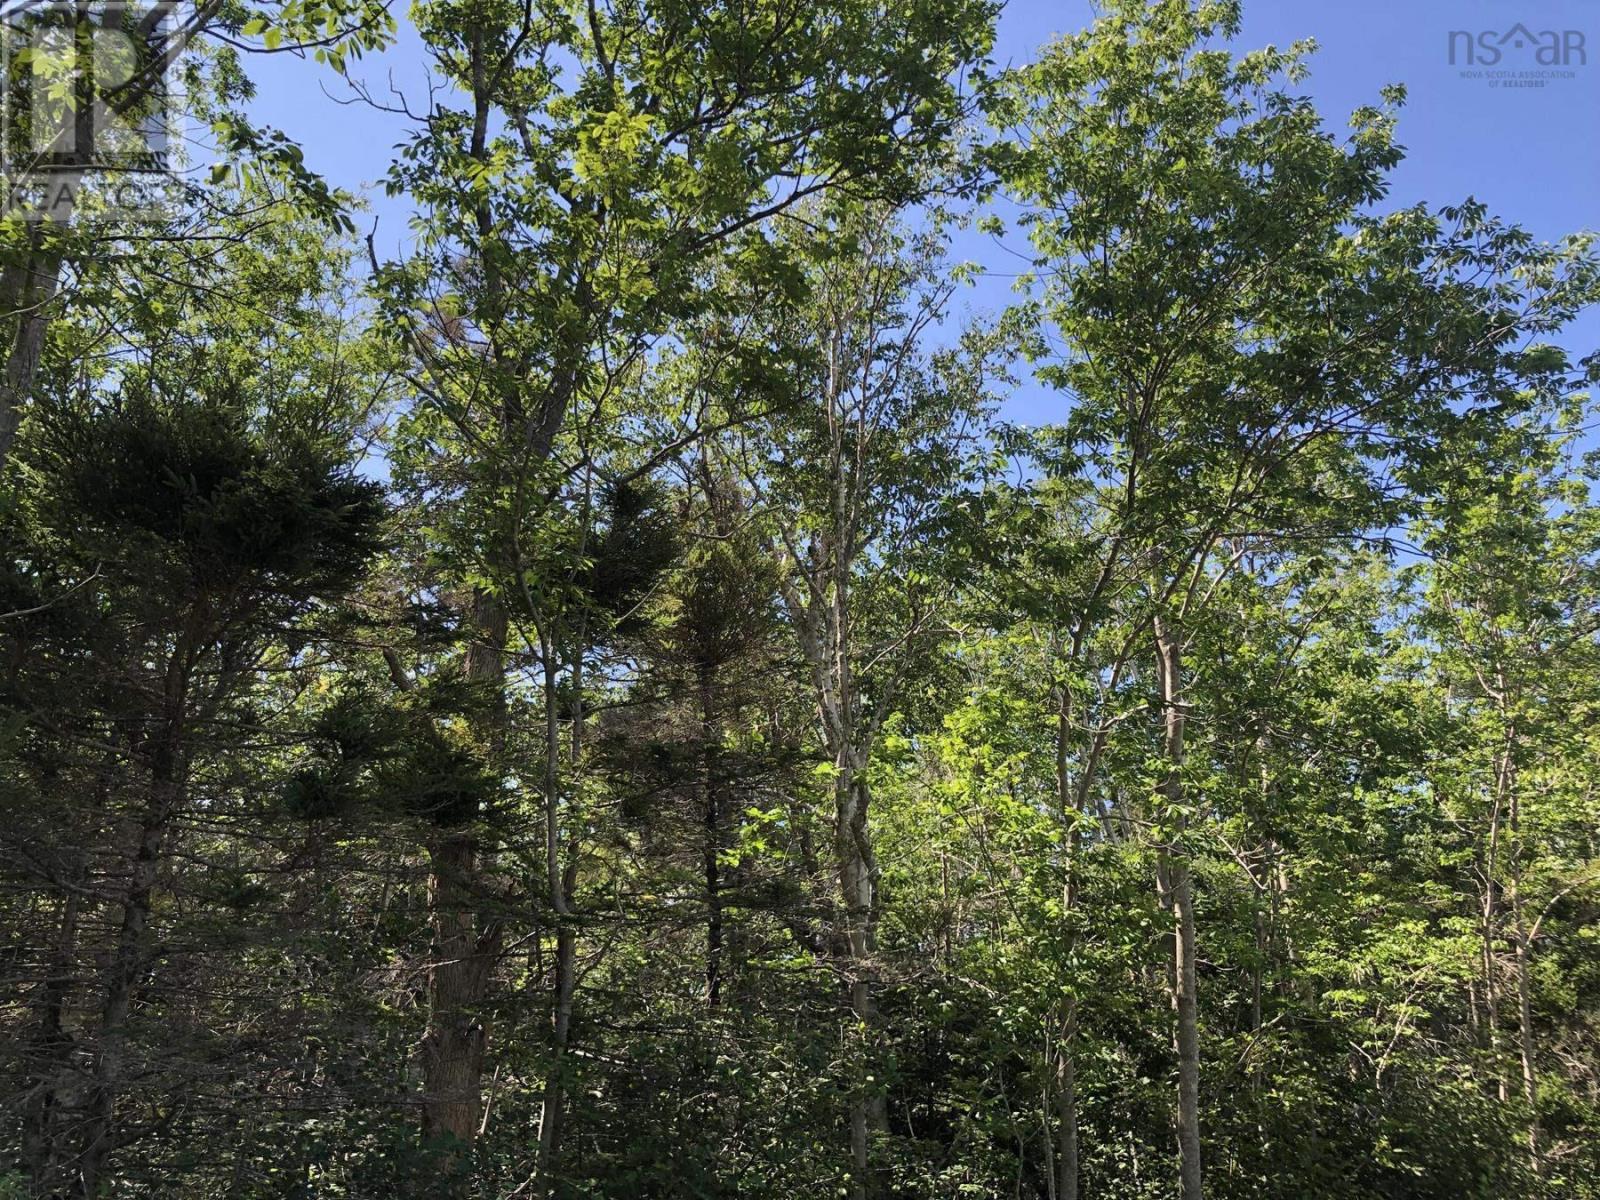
{"x":637,"y":543}
{"x":395,"y":757}
{"x":225,"y":506}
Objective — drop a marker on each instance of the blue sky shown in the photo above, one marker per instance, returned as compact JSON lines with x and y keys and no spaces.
{"x":1529,"y":152}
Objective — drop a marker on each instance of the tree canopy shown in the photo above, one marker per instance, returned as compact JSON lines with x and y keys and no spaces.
{"x":609,"y":704}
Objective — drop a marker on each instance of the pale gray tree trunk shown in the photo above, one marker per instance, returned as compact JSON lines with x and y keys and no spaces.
{"x":1065,"y":1075}
{"x":28,"y":293}
{"x":561,"y":881}
{"x":711,"y":851}
{"x":858,"y":871}
{"x":1178,"y":888}
{"x":1522,"y":951}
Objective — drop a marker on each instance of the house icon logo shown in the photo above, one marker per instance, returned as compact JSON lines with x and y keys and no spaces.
{"x":1518,"y":35}
{"x":1518,"y":46}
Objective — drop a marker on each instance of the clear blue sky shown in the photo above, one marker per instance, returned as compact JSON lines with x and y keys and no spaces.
{"x":1530,"y":153}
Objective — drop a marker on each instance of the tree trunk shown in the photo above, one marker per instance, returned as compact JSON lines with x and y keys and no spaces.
{"x":1525,"y":1034}
{"x":465,"y":945}
{"x":858,"y":881}
{"x":27,"y":292}
{"x":1066,"y":1103}
{"x":1066,"y":1074}
{"x":1185,"y":1002}
{"x":99,"y":1137}
{"x":49,"y":1053}
{"x":1530,"y":1080}
{"x":561,"y":883}
{"x":1491,"y":986}
{"x":712,"y":850}
{"x":1176,"y":882}
{"x":1489,"y":909}
{"x":463,"y":958}
{"x":554,"y":1099}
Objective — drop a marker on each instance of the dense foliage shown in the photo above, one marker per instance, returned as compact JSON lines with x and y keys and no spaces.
{"x":608,"y":706}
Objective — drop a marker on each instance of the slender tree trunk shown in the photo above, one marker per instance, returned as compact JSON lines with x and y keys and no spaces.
{"x":561,"y":883}
{"x":1066,"y":1104}
{"x":1530,"y":1080}
{"x":1523,"y":949}
{"x":1179,"y":888}
{"x":1066,"y":1073}
{"x":168,"y":776}
{"x":130,"y":954}
{"x":858,"y":882}
{"x":1180,"y":895}
{"x":51,"y":1045}
{"x":48,"y":1120}
{"x":713,"y":838}
{"x":1491,"y":987}
{"x":1490,"y":910}
{"x":554,"y":1099}
{"x":29,"y":290}
{"x":1260,"y":889}
{"x":1280,"y":944}
{"x":27,"y":294}
{"x":1259,"y":920}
